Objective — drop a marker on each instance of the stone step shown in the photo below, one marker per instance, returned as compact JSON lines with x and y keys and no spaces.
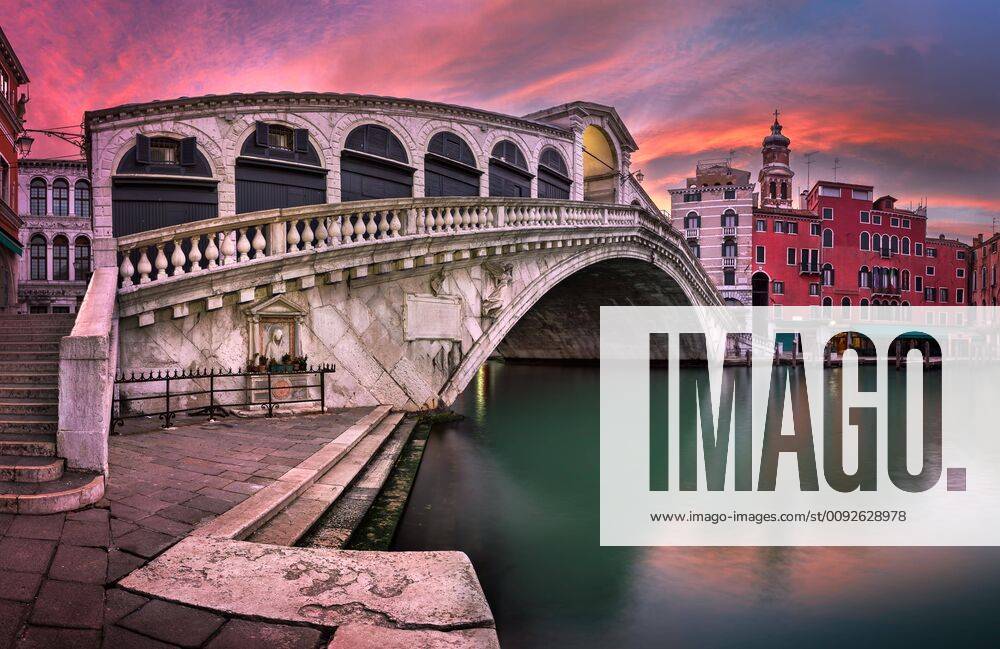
{"x":291,"y":524}
{"x":22,"y":468}
{"x":31,"y":347}
{"x":28,"y":407}
{"x":28,"y":444}
{"x":6,"y":355}
{"x":73,"y":490}
{"x":30,"y":378}
{"x":28,"y":391}
{"x":30,"y":364}
{"x":28,"y":423}
{"x":30,"y":334}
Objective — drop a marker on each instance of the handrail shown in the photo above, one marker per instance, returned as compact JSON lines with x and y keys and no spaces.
{"x":200,"y":246}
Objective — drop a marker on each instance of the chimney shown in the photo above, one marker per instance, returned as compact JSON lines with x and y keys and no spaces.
{"x":804,"y":199}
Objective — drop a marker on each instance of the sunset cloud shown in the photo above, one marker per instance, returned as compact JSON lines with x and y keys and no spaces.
{"x":904,"y":94}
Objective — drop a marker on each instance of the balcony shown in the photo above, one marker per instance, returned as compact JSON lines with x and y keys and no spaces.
{"x":729,"y":231}
{"x":691,"y":233}
{"x":729,"y":262}
{"x":888,"y":291}
{"x":809,"y":268}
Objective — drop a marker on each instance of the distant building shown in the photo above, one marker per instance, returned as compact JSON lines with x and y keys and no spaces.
{"x":12,"y":76}
{"x":714,"y":208}
{"x":57,"y":235}
{"x":984,"y":259}
{"x":843,"y":248}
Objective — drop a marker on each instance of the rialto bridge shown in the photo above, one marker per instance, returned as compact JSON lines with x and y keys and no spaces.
{"x":403,"y":241}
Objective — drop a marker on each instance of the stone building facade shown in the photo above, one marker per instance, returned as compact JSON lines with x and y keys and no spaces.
{"x":56,"y":233}
{"x":169,"y":162}
{"x":715,"y":209}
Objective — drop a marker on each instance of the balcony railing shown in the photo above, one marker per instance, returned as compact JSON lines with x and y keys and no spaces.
{"x":729,"y":231}
{"x":729,"y":262}
{"x":201,"y":246}
{"x":885,"y":290}
{"x":691,"y":233}
{"x":809,"y":268}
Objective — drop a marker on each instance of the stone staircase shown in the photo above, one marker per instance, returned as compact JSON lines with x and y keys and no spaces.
{"x":33,"y":480}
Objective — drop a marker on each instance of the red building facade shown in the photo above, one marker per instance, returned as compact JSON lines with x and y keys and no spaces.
{"x":844,"y":248}
{"x":12,"y":76}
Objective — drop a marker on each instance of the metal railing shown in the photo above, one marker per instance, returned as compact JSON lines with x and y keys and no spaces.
{"x":264,"y":389}
{"x":201,"y":246}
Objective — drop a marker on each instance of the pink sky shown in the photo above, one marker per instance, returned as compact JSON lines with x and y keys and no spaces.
{"x":904,"y":94}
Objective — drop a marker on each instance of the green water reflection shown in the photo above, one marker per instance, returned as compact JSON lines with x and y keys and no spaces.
{"x":515,"y":486}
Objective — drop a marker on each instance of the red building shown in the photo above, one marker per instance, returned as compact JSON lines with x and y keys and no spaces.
{"x":844,"y":248}
{"x":12,"y":76}
{"x":983,"y":288}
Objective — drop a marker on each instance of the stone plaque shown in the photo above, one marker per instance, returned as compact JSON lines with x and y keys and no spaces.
{"x":430,"y":317}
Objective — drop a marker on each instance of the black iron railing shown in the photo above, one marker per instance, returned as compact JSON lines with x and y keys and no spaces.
{"x":268,"y":390}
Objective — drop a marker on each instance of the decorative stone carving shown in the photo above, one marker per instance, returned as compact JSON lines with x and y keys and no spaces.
{"x":437,"y":282}
{"x":497,"y":277}
{"x":273,"y":327}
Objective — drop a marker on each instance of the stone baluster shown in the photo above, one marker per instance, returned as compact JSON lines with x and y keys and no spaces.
{"x":211,"y":251}
{"x":347,"y":229}
{"x":293,"y":238}
{"x":335,"y":230}
{"x":395,"y":224}
{"x":501,"y":216}
{"x":194,"y":255}
{"x":259,"y":243}
{"x":160,"y":262}
{"x":229,"y":247}
{"x":307,"y":234}
{"x":415,"y":221}
{"x":383,"y":223}
{"x":243,"y":245}
{"x":370,"y":227}
{"x":438,"y":220}
{"x":321,"y":233}
{"x":449,"y":219}
{"x":474,"y":221}
{"x":144,"y":267}
{"x":177,"y":259}
{"x":126,"y":270}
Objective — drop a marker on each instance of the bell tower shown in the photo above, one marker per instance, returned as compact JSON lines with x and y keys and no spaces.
{"x":775,"y":176}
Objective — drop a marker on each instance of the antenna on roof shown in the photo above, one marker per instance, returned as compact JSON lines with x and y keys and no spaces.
{"x":836,"y":165}
{"x":809,"y":161}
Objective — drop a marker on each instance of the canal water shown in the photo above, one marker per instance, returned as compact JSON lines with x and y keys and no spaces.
{"x":515,"y":486}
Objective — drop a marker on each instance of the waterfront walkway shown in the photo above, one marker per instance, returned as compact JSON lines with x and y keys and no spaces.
{"x":58,"y":573}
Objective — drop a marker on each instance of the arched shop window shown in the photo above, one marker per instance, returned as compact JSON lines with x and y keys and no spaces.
{"x":161,"y":182}
{"x":81,"y":259}
{"x":60,"y":258}
{"x":553,"y":176}
{"x":509,"y":175}
{"x":374,"y":165}
{"x":278,"y":167}
{"x":38,"y":256}
{"x":450,"y":167}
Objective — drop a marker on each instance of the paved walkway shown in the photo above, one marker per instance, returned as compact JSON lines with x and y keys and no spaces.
{"x":58,"y":572}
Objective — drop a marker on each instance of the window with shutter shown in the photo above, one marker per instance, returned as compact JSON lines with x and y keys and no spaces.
{"x":142,"y":149}
{"x":188,"y":146}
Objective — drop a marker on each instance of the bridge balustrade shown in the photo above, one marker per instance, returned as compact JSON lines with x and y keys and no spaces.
{"x":202,"y":246}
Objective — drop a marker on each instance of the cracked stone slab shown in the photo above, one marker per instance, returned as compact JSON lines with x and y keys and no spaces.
{"x":400,"y":590}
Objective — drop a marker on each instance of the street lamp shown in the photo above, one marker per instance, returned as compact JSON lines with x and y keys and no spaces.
{"x":639,"y":176}
{"x":23,"y":144}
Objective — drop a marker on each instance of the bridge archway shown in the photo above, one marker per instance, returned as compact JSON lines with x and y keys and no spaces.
{"x":558,"y":316}
{"x":600,"y":166}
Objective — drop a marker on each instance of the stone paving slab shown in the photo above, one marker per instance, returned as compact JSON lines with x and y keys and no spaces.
{"x":432,"y":590}
{"x":359,"y":636}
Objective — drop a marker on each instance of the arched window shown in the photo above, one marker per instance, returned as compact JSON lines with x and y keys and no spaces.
{"x":866,"y":242}
{"x":894,"y":244}
{"x":81,"y":198}
{"x":60,"y":197}
{"x":509,"y":175}
{"x":864,"y":301}
{"x":827,"y":275}
{"x":906,"y":245}
{"x":828,"y":238}
{"x":81,"y":259}
{"x":553,"y":176}
{"x":60,"y":258}
{"x":774,"y":189}
{"x":906,"y":280}
{"x":161,"y":182}
{"x":38,"y":253}
{"x":876,"y":242}
{"x":38,"y":197}
{"x":845,"y":301}
{"x":864,"y":277}
{"x":827,"y":301}
{"x":784,"y":189}
{"x":450,"y":167}
{"x":692,"y":220}
{"x":374,"y":165}
{"x":730,"y":219}
{"x":278,"y":167}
